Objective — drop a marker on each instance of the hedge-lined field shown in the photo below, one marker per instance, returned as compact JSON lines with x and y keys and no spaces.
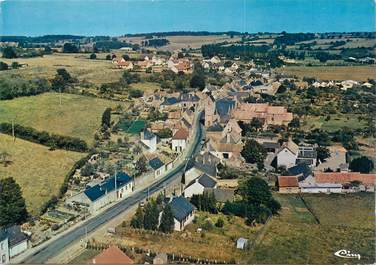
{"x":77,"y":116}
{"x":39,"y":171}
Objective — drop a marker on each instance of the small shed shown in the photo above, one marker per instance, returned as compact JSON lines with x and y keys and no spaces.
{"x":241,"y":243}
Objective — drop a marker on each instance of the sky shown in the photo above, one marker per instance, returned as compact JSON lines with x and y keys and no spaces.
{"x":118,"y":17}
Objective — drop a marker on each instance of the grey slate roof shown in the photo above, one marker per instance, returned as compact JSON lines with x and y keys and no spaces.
{"x":207,"y":181}
{"x":223,"y":106}
{"x":148,"y":135}
{"x":181,"y":208}
{"x":97,"y":191}
{"x":170,"y":101}
{"x":14,"y":235}
{"x":300,"y":169}
{"x":209,"y":169}
{"x":155,"y":163}
{"x":215,"y":128}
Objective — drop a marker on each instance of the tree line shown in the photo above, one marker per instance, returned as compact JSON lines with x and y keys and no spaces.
{"x":148,"y":217}
{"x":44,"y":138}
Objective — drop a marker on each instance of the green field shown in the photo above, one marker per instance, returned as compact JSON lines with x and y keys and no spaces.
{"x":336,"y":122}
{"x":78,"y":65}
{"x":39,"y":171}
{"x":358,"y":73}
{"x":346,"y":222}
{"x":132,"y":127}
{"x":77,"y":116}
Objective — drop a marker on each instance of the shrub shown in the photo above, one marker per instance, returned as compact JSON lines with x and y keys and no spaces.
{"x":220,"y":223}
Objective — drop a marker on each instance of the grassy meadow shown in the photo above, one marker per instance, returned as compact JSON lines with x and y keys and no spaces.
{"x":39,"y":171}
{"x":204,"y":245}
{"x":336,"y":122}
{"x":78,"y":65}
{"x":358,"y":73}
{"x":293,"y":237}
{"x":77,"y":116}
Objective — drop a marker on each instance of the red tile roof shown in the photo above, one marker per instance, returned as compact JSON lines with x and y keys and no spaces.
{"x":288,"y":181}
{"x":112,"y":255}
{"x":344,"y":177}
{"x":181,"y":134}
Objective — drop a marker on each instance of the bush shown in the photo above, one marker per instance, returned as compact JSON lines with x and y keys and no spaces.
{"x":3,"y":66}
{"x":17,"y":87}
{"x":220,"y":223}
{"x":44,"y":138}
{"x":135,"y":93}
{"x":362,"y":164}
{"x":9,"y":53}
{"x":208,"y":225}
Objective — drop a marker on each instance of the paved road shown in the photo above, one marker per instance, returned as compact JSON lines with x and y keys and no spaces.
{"x":90,"y":225}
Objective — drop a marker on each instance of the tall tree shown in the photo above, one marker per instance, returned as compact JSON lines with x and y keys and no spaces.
{"x":322,"y":153}
{"x":9,"y":53}
{"x":253,"y":152}
{"x":151,"y":216}
{"x":138,"y":219}
{"x":106,"y":118}
{"x":362,"y":164}
{"x":12,"y":204}
{"x":167,"y":220}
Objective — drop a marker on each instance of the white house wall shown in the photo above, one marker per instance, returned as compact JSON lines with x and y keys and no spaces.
{"x":286,"y":158}
{"x":195,"y":188}
{"x":4,"y":251}
{"x":17,"y":249}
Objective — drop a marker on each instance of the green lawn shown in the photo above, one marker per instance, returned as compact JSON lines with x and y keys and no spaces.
{"x":336,"y":122}
{"x":346,"y":222}
{"x":136,"y":127}
{"x":39,"y":171}
{"x":77,"y":116}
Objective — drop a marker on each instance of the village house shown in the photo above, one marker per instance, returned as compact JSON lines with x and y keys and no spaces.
{"x":269,"y":115}
{"x":179,"y":140}
{"x":307,"y":155}
{"x":183,"y":212}
{"x":320,"y":187}
{"x":157,"y":166}
{"x":148,"y":141}
{"x":180,"y":65}
{"x":368,"y":180}
{"x":112,"y":255}
{"x":123,"y":64}
{"x":93,"y":198}
{"x":290,"y":154}
{"x":12,"y":243}
{"x":199,"y":185}
{"x":194,"y":169}
{"x":286,"y":156}
{"x":227,"y":148}
{"x":288,"y":184}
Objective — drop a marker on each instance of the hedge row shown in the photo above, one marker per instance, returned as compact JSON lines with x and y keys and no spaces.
{"x":64,"y":187}
{"x":44,"y":138}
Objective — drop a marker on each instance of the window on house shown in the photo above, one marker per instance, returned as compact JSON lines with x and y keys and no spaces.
{"x":2,"y":246}
{"x":3,"y":259}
